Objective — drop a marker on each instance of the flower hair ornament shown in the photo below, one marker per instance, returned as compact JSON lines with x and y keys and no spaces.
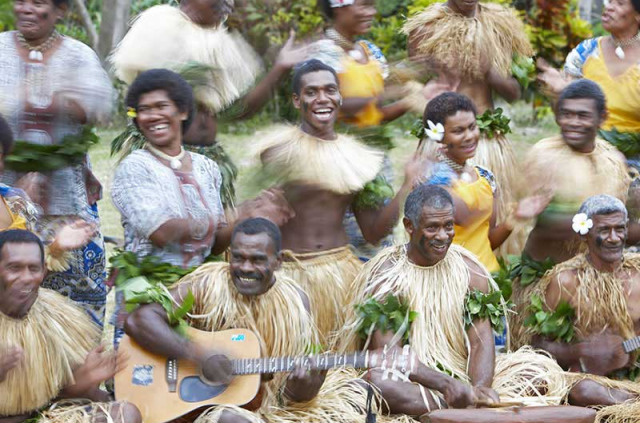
{"x":581,"y":223}
{"x":434,"y":132}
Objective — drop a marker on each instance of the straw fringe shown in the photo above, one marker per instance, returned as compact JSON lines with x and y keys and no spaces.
{"x":56,"y":337}
{"x":498,"y":156}
{"x":531,"y":377}
{"x":164,"y":37}
{"x":342,"y":399}
{"x":573,"y":176}
{"x":328,"y":281}
{"x":343,"y":165}
{"x":278,"y":317}
{"x":496,"y":32}
{"x":438,"y":333}
{"x":213,"y":415}
{"x":600,"y":298}
{"x":78,"y":411}
{"x":521,"y":295}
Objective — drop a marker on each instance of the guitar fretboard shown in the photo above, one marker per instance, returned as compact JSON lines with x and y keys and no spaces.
{"x":248,"y":366}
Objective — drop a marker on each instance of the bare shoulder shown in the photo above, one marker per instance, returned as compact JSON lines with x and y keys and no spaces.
{"x":478,"y":278}
{"x":562,"y":287}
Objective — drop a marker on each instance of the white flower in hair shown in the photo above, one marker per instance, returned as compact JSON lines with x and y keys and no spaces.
{"x":435,"y":132}
{"x":581,"y":223}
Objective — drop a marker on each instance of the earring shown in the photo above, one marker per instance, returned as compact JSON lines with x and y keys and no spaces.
{"x":340,"y":102}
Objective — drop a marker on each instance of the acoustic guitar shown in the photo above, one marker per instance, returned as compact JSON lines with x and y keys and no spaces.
{"x":164,"y":388}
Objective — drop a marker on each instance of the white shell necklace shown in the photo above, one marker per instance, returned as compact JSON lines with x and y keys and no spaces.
{"x":621,"y":44}
{"x":36,"y":52}
{"x":340,"y":40}
{"x":175,"y":162}
{"x":456,"y":167}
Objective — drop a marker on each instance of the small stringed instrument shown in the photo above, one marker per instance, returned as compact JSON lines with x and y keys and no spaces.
{"x":164,"y":388}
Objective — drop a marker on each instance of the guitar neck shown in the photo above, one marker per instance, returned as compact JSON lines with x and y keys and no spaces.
{"x":248,"y":366}
{"x":630,"y":345}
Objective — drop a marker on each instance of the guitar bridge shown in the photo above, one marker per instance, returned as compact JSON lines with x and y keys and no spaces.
{"x":171,"y":374}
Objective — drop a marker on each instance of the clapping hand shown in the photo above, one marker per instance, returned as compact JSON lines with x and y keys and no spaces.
{"x":290,"y":54}
{"x":75,"y":235}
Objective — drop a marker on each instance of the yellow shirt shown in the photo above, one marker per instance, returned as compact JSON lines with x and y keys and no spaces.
{"x":17,"y":221}
{"x":478,"y":196}
{"x":362,"y":80}
{"x":622,"y":91}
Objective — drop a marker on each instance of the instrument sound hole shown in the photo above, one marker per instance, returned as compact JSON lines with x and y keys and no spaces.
{"x":193,"y":389}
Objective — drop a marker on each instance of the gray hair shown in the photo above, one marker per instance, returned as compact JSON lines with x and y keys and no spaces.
{"x":601,"y":205}
{"x":426,"y":196}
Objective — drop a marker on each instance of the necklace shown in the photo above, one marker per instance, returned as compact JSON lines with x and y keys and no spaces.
{"x":175,"y":162}
{"x":621,"y":44}
{"x":36,"y":52}
{"x":457,"y":167}
{"x":340,"y":40}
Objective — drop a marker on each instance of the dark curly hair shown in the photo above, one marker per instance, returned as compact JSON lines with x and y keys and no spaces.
{"x":178,"y":90}
{"x":445,"y":105}
{"x":584,"y":89}
{"x":311,"y":65}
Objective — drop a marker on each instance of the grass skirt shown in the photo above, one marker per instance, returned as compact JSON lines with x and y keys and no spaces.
{"x":327,"y":279}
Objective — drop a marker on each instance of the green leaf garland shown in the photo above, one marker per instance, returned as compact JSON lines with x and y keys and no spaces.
{"x":387,"y":316}
{"x":493,"y":122}
{"x":479,"y":305}
{"x":557,"y":325}
{"x":72,"y":149}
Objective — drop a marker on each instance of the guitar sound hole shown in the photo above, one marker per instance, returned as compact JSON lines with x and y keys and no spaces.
{"x":193,"y":389}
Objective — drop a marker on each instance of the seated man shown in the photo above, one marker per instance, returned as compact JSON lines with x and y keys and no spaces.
{"x":48,"y":346}
{"x":597,"y":294}
{"x":244,"y":293}
{"x":322,"y":174}
{"x":451,"y":303}
{"x":569,"y":167}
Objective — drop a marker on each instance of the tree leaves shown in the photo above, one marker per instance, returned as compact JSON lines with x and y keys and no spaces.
{"x":388,"y":316}
{"x":523,"y":69}
{"x":627,"y":142}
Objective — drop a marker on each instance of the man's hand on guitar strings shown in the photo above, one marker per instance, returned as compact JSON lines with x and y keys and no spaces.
{"x":305,"y":381}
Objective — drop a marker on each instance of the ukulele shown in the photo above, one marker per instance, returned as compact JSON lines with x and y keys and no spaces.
{"x":164,"y":388}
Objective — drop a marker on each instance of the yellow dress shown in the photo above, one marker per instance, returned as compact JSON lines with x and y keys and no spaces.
{"x":17,"y":221}
{"x":622,"y":91}
{"x":478,"y":196}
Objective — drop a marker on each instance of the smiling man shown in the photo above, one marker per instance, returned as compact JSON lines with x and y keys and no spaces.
{"x":245,"y":293}
{"x":569,"y":168}
{"x":573,"y":166}
{"x":450,"y":292}
{"x":602,"y":286}
{"x":322,"y":174}
{"x":48,"y":346}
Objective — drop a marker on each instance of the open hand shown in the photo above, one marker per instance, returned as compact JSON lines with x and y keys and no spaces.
{"x":531,"y":207}
{"x":75,"y":235}
{"x":554,"y":82}
{"x":290,"y":54}
{"x":9,"y":359}
{"x":416,"y":169}
{"x":99,"y":366}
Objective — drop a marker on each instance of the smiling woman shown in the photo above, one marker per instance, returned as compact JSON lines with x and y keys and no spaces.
{"x":44,"y":99}
{"x":179,"y":223}
{"x":473,"y":188}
